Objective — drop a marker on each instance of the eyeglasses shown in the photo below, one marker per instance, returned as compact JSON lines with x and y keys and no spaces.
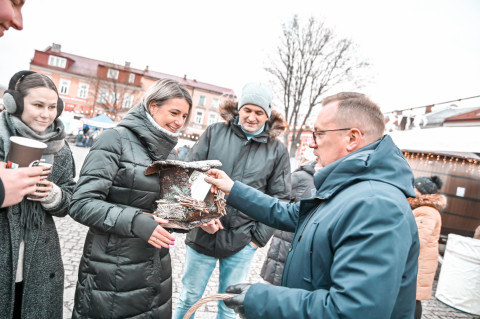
{"x":321,"y":132}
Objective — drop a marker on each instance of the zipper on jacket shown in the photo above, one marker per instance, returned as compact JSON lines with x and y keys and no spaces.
{"x":307,"y":220}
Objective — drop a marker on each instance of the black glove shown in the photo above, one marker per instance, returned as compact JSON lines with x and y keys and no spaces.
{"x":236,"y":302}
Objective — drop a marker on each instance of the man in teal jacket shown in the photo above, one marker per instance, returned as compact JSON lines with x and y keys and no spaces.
{"x":354,"y":254}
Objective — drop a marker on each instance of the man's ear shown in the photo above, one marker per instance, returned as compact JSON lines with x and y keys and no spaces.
{"x":355,"y":141}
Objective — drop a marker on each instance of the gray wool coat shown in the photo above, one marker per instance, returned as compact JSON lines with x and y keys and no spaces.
{"x":43,"y":268}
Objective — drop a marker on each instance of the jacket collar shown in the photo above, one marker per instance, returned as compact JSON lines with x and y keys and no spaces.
{"x":274,"y":127}
{"x":380,"y":161}
{"x":158,"y":143}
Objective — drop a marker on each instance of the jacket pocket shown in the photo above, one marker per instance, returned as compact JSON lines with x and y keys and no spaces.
{"x":309,"y":237}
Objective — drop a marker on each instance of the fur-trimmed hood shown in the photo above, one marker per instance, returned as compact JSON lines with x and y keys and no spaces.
{"x":437,"y":201}
{"x":276,"y":124}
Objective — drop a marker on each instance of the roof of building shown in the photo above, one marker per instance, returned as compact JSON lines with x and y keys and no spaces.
{"x":437,"y":118}
{"x":88,"y":67}
{"x":443,"y":140}
{"x":472,"y":116}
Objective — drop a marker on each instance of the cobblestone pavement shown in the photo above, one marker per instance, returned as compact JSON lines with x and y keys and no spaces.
{"x":72,"y":236}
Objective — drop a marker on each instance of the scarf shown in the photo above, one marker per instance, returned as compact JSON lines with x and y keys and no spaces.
{"x":31,"y":213}
{"x":54,"y":135}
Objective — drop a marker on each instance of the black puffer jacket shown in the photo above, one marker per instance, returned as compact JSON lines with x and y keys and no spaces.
{"x":302,"y":186}
{"x":261,"y":162}
{"x":120,"y":274}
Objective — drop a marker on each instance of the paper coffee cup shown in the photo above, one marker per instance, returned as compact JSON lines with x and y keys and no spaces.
{"x":24,"y":152}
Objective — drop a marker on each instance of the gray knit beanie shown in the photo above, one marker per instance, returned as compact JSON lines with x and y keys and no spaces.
{"x":259,"y":94}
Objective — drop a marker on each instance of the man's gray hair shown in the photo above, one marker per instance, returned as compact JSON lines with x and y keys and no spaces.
{"x":357,"y":110}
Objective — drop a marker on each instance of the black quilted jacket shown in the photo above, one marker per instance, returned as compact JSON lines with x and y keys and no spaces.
{"x":121,"y":275}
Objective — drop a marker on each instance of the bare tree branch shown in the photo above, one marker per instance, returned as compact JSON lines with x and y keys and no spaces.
{"x":310,"y":61}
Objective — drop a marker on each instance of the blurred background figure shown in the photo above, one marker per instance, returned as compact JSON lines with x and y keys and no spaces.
{"x":94,"y":137}
{"x":426,"y":208}
{"x":476,"y":235}
{"x":31,"y":281}
{"x":182,"y":152}
{"x":126,"y":251}
{"x":11,"y":15}
{"x":302,"y":186}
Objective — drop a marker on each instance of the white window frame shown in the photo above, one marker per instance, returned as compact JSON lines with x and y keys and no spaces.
{"x":199,"y":116}
{"x":127,"y":101}
{"x":201,"y":100}
{"x":212,"y":118}
{"x":215,"y":103}
{"x":54,"y":60}
{"x":131,"y":78}
{"x":113,"y":74}
{"x":82,"y":91}
{"x":64,"y":86}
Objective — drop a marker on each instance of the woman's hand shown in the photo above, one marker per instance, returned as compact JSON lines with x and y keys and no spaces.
{"x":212,"y":226}
{"x":47,"y":168}
{"x":160,"y":237}
{"x":42,"y":190}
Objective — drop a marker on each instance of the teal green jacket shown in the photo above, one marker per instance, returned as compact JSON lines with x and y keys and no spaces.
{"x":355,"y":250}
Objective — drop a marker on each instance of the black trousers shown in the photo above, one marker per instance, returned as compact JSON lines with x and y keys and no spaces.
{"x":17,"y":305}
{"x":418,"y":309}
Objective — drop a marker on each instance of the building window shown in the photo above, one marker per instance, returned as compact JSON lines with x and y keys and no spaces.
{"x":131,"y":78}
{"x":212,"y":118}
{"x":215,"y":103}
{"x":57,"y":61}
{"x":201,"y":100}
{"x":64,"y":86}
{"x":83,"y":90}
{"x":112,"y":74}
{"x":127,"y":101}
{"x":199,"y":117}
{"x":102,"y":96}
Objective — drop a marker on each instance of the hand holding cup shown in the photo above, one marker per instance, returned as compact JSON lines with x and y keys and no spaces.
{"x":44,"y":187}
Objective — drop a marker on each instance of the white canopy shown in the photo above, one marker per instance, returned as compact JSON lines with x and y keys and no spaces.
{"x":439,"y":139}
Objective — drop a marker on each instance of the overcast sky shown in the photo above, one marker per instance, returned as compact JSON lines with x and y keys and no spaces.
{"x":422,"y":51}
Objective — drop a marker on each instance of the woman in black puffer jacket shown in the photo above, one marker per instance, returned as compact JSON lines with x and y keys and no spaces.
{"x":302,"y":185}
{"x":125,"y":270}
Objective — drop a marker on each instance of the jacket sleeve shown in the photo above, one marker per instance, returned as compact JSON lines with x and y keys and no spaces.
{"x":65,"y":183}
{"x":268,"y":210}
{"x":96,"y":177}
{"x":278,"y":186}
{"x":427,"y":219}
{"x":366,"y":271}
{"x":2,"y":193}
